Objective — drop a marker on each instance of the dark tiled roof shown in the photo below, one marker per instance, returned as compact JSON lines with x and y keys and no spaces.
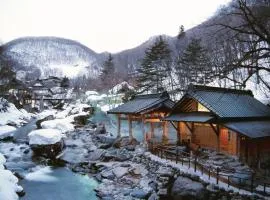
{"x":202,"y":117}
{"x":229,"y":103}
{"x":252,"y":129}
{"x":142,"y":103}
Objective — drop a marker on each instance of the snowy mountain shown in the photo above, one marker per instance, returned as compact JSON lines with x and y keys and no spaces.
{"x":43,"y":56}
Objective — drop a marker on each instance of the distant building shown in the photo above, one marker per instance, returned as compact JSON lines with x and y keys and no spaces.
{"x":36,"y":94}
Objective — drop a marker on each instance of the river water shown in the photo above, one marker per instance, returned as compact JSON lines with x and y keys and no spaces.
{"x":58,"y":184}
{"x":42,"y":182}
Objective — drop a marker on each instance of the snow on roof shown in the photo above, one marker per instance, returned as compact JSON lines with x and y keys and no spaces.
{"x":6,"y":131}
{"x":45,"y":136}
{"x":142,"y":103}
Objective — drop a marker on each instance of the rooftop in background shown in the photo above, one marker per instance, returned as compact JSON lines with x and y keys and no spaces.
{"x":145,"y":103}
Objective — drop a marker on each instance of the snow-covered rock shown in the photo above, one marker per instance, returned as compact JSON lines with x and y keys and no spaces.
{"x":45,"y":136}
{"x":120,"y":88}
{"x":46,"y":142}
{"x":11,"y":115}
{"x":8,"y":183}
{"x":6,"y":131}
{"x":63,"y":125}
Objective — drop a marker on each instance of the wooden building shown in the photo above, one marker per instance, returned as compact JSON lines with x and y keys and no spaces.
{"x":149,"y":108}
{"x":230,"y":121}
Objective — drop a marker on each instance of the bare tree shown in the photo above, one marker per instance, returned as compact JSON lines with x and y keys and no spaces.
{"x":247,"y":30}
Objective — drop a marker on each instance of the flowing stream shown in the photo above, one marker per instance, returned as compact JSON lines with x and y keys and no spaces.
{"x":58,"y":183}
{"x":41,"y":182}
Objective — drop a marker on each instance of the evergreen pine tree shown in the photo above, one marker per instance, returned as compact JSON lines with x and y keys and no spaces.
{"x":154,"y":67}
{"x":194,"y":64}
{"x":65,"y":82}
{"x":107,"y":75}
{"x":181,"y":32}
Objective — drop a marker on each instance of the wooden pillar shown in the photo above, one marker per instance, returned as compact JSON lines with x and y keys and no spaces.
{"x":218,"y":139}
{"x":41,"y":104}
{"x":238,"y":146}
{"x":178,"y":133}
{"x":258,"y":156}
{"x":143,"y":130}
{"x":118,"y":125}
{"x":192,"y":133}
{"x":130,"y":127}
{"x":152,"y":128}
{"x":165,"y":129}
{"x":217,"y":132}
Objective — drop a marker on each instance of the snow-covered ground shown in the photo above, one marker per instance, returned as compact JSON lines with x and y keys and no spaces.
{"x":8,"y":183}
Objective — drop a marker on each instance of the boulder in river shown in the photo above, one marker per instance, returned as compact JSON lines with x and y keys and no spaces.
{"x":46,"y":142}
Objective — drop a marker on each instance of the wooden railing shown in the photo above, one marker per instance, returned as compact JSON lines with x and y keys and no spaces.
{"x":173,"y":153}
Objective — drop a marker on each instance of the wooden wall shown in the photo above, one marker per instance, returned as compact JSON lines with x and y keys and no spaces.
{"x":255,"y":151}
{"x":205,"y":137}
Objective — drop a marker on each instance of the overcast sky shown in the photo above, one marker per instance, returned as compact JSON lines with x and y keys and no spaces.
{"x":102,"y":25}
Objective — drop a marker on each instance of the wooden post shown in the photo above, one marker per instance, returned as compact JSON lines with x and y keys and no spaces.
{"x":130,"y":127}
{"x":119,"y":125}
{"x":165,"y":129}
{"x":217,"y":176}
{"x":143,"y":130}
{"x":238,"y":148}
{"x":252,"y":183}
{"x":152,"y":127}
{"x":178,"y":133}
{"x":218,"y":139}
{"x":217,"y":132}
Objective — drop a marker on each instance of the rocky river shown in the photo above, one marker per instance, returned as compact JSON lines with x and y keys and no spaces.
{"x":95,"y":165}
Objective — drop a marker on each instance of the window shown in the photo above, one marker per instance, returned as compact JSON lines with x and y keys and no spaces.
{"x":201,"y":108}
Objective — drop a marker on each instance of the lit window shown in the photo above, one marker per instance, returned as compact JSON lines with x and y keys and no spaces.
{"x":201,"y":108}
